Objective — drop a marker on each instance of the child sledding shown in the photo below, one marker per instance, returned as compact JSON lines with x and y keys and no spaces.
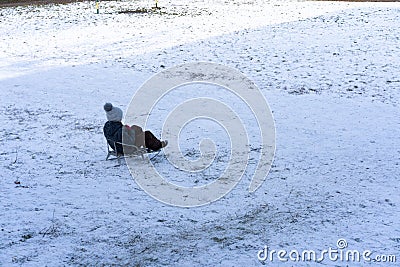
{"x":124,"y":140}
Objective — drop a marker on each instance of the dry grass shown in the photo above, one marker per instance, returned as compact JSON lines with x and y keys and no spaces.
{"x":9,"y":3}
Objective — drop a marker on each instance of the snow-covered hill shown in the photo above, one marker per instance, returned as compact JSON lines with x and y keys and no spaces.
{"x":329,"y":70}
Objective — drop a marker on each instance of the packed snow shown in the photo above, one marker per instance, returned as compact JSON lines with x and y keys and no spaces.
{"x":329,"y":71}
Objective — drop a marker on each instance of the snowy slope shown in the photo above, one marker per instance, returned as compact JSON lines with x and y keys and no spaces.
{"x":329,"y":71}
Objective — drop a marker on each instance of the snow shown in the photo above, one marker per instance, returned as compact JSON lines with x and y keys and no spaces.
{"x":329,"y":71}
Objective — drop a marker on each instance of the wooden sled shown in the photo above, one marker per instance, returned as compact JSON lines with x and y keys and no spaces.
{"x":129,"y":151}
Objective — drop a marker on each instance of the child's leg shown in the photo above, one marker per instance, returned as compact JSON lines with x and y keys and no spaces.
{"x":152,"y":142}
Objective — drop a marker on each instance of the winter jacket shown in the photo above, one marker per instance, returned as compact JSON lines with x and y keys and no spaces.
{"x":113,"y":133}
{"x":117,"y":132}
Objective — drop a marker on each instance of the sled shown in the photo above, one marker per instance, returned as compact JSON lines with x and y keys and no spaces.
{"x":129,"y":151}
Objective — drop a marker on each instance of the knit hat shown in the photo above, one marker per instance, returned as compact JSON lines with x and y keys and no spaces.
{"x":113,"y":113}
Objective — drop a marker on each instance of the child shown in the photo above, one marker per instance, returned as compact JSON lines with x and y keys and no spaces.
{"x":133,"y":135}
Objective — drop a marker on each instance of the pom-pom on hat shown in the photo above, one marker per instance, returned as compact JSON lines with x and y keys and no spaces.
{"x":113,"y":113}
